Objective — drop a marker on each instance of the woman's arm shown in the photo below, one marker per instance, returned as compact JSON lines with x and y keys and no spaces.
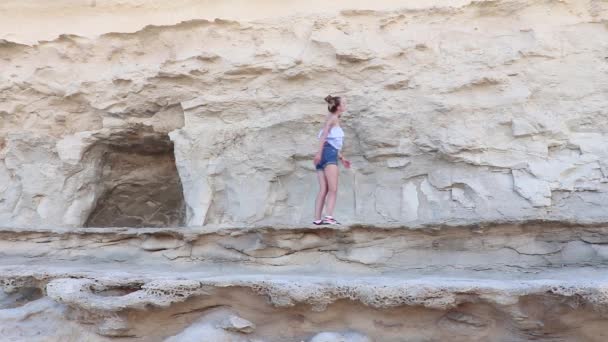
{"x":345,"y":162}
{"x":326,"y":128}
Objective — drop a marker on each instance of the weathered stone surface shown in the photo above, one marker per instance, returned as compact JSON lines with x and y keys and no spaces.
{"x":297,"y":307}
{"x":237,"y":324}
{"x":522,"y":249}
{"x":383,"y":282}
{"x":339,"y":337}
{"x":219,"y":325}
{"x":457,"y":112}
{"x":181,"y":134}
{"x":43,"y":320}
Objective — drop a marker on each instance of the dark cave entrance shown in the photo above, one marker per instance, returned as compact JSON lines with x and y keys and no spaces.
{"x":141,"y":185}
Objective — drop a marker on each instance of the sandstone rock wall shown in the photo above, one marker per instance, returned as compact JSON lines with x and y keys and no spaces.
{"x":156,"y":178}
{"x":459,"y":111}
{"x":529,"y":282}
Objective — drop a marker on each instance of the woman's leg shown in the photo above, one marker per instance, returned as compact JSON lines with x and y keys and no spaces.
{"x":320,"y":202}
{"x":331,"y":176}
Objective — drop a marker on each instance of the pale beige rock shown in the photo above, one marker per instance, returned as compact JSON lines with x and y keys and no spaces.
{"x":43,"y":320}
{"x":501,"y":106}
{"x":186,"y":129}
{"x":114,"y":327}
{"x":339,"y":337}
{"x":237,"y":324}
{"x":461,"y":281}
{"x":220,"y":325}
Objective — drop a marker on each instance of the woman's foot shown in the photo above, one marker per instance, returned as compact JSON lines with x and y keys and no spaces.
{"x":330,"y":220}
{"x":317,"y":222}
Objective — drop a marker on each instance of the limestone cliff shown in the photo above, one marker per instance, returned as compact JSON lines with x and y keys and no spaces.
{"x":461,"y":111}
{"x":156,"y":176}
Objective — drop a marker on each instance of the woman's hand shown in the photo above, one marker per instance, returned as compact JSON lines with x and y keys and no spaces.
{"x":345,"y":162}
{"x":317,"y":159}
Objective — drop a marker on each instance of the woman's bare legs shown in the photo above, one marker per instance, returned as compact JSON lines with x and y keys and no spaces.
{"x":320,"y":202}
{"x":331,"y":177}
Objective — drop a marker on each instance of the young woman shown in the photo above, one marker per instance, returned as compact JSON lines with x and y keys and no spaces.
{"x":326,"y":160}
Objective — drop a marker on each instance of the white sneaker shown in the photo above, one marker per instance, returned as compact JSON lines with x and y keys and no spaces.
{"x":329,"y":220}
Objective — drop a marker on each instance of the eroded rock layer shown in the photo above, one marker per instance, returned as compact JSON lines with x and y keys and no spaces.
{"x":523,"y":249}
{"x":459,"y":111}
{"x":510,"y":282}
{"x":156,"y":178}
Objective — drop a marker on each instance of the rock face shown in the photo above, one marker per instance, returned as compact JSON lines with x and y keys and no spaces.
{"x":508,"y":282}
{"x":459,"y":111}
{"x":156,"y":177}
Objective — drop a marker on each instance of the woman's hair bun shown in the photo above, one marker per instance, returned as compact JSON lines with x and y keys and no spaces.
{"x":333,"y":102}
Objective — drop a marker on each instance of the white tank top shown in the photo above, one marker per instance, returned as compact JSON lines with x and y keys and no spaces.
{"x":335,"y":137}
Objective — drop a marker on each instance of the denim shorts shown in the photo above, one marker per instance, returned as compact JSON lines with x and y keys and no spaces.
{"x":328,"y":156}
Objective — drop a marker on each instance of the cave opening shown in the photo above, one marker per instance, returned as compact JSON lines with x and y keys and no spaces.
{"x":140,"y":183}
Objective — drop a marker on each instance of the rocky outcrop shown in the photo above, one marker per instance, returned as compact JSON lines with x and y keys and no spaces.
{"x":359,"y":283}
{"x":337,"y":337}
{"x":219,"y":325}
{"x":156,"y":178}
{"x":374,"y":250}
{"x":458,"y":113}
